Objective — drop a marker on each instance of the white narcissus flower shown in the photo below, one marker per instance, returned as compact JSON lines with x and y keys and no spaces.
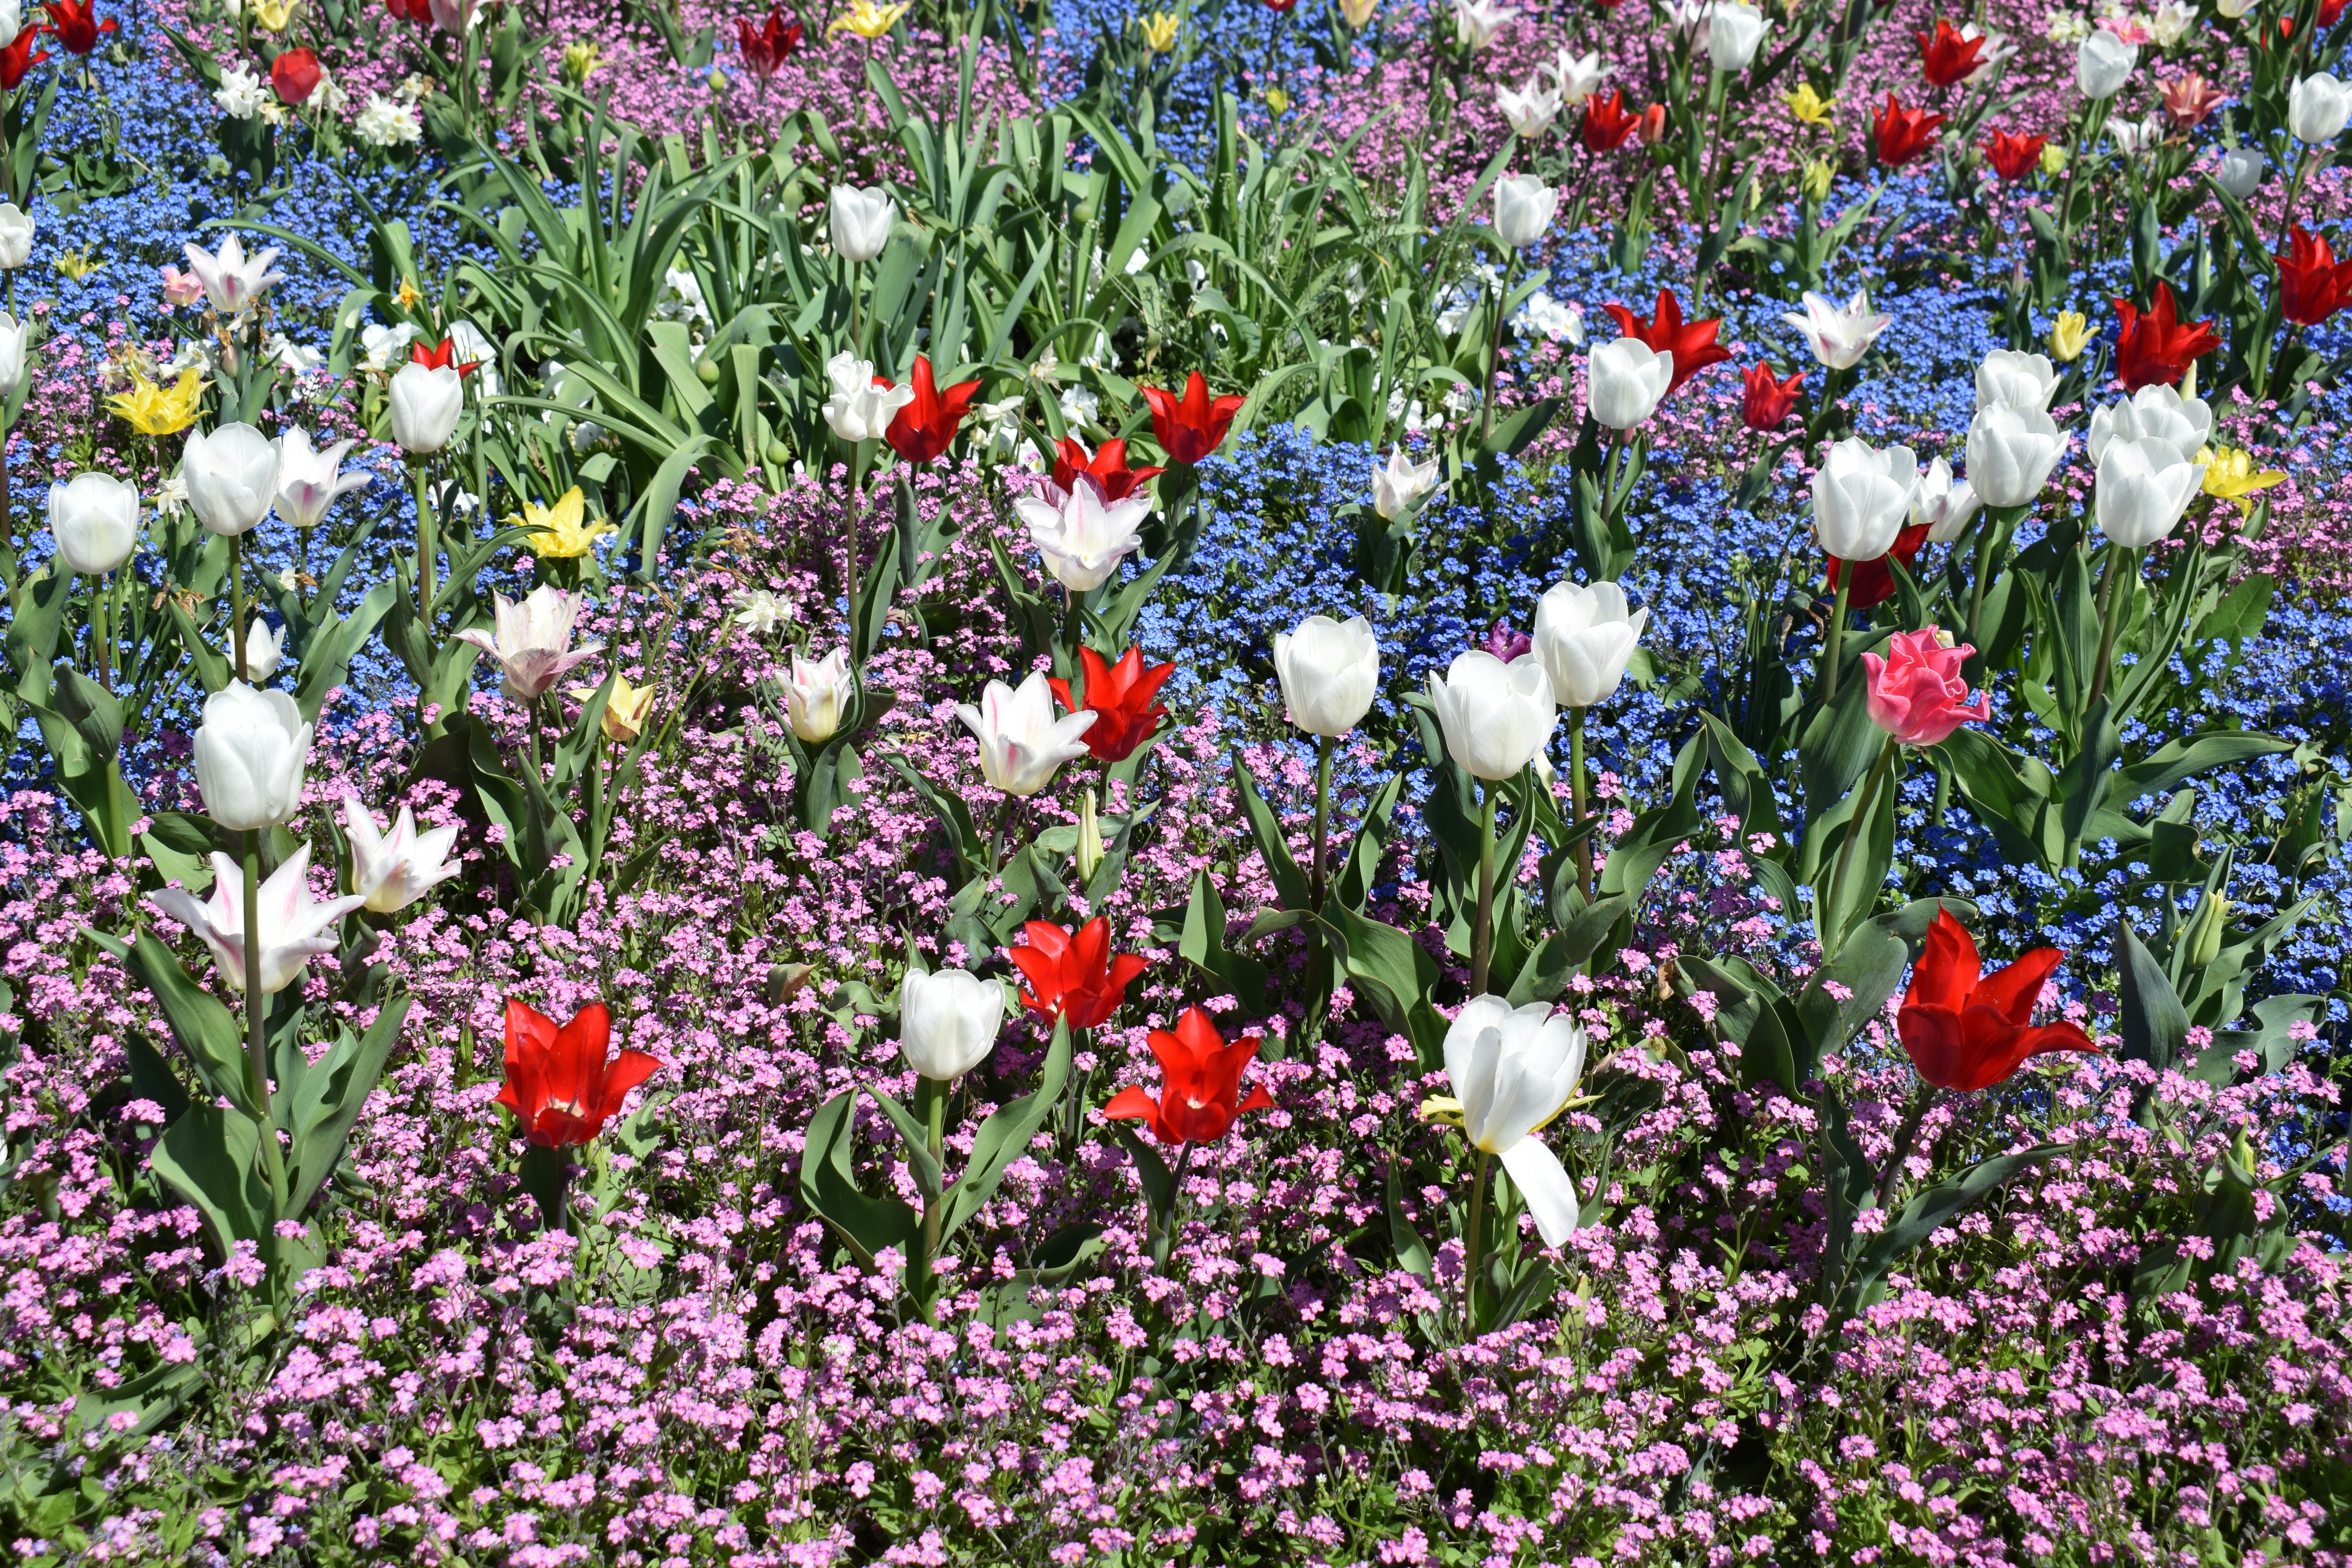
{"x":1402,"y":485}
{"x":232,"y":478}
{"x":391,"y":870}
{"x":425,"y":402}
{"x":2144,"y":486}
{"x":1945,"y":507}
{"x":1081,"y":536}
{"x":95,"y":519}
{"x":295,"y":927}
{"x":2318,"y":108}
{"x":1624,"y":380}
{"x":1021,"y":743}
{"x":1475,"y":22}
{"x":948,"y":1022}
{"x":233,"y":282}
{"x":2156,"y":412}
{"x":1531,"y":110}
{"x":1578,"y":77}
{"x":1496,"y":716}
{"x":2010,"y":452}
{"x":250,"y":749}
{"x":1861,"y":497}
{"x":1840,"y":336}
{"x":859,"y":221}
{"x":533,"y":643}
{"x":1584,"y":638}
{"x":1514,"y":1069}
{"x":308,"y":482}
{"x":388,"y":122}
{"x":1330,"y":671}
{"x":819,"y":696}
{"x":2012,"y":379}
{"x":860,"y":409}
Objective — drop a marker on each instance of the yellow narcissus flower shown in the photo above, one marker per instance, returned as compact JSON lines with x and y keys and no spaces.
{"x":2068,"y":334}
{"x":626,"y":708}
{"x":273,"y":14}
{"x":2231,"y":474}
{"x":866,"y":19}
{"x":1160,"y":31}
{"x":1810,"y":106}
{"x":559,"y":528}
{"x":154,"y":410}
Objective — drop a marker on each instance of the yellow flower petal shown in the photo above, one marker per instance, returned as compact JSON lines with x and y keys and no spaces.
{"x":153,"y":410}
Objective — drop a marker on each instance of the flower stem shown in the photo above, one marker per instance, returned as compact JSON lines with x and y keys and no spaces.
{"x":1322,"y":812}
{"x":934,"y":1209}
{"x":2121,"y":559}
{"x":1494,"y":349}
{"x":1833,"y":637}
{"x":1482,"y":936}
{"x":237,"y":607}
{"x":256,"y":1035}
{"x":1473,"y":1244}
{"x":1577,"y":802}
{"x":428,"y":548}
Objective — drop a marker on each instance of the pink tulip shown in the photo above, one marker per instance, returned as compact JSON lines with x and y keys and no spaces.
{"x":1915,"y":693}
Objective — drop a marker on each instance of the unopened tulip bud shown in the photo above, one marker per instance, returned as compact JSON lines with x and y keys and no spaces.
{"x":250,"y":750}
{"x":1089,"y":855}
{"x":95,"y":520}
{"x":425,"y":402}
{"x":948,"y":1022}
{"x":1329,"y":673}
{"x":232,"y":478}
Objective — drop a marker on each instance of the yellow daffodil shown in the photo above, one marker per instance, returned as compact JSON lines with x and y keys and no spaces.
{"x":1817,"y":178}
{"x":1810,"y":106}
{"x":561,"y":533}
{"x":1160,"y":31}
{"x":154,"y":410}
{"x":866,"y":19}
{"x":273,"y":14}
{"x":77,"y":263}
{"x":2053,"y":158}
{"x":408,"y":296}
{"x":2231,"y":474}
{"x":626,"y":708}
{"x":2068,"y":334}
{"x":579,"y":61}
{"x":1358,"y":12}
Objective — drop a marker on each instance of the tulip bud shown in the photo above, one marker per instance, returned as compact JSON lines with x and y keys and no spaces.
{"x":1625,"y":380}
{"x":1399,"y":487}
{"x":948,"y":1022}
{"x":232,"y":478}
{"x":1944,"y":507}
{"x":860,"y":221}
{"x":1329,"y":673}
{"x":819,"y":696}
{"x":95,"y":520}
{"x":2143,"y":489}
{"x":250,"y":749}
{"x":263,"y":648}
{"x":425,"y":401}
{"x":2010,"y":452}
{"x":2103,"y":64}
{"x":2240,"y":173}
{"x":1523,"y":206}
{"x":2068,"y":334}
{"x":16,"y":234}
{"x":2318,"y":108}
{"x":1494,"y":716}
{"x":1089,"y":857}
{"x":1861,"y":497}
{"x":2201,"y":943}
{"x":1584,"y":638}
{"x":2015,"y":380}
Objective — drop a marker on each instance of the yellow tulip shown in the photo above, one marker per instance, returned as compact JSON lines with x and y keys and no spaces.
{"x":868,"y":20}
{"x":1817,"y":178}
{"x":2068,"y":334}
{"x":1277,"y":100}
{"x":154,"y":411}
{"x":77,"y":263}
{"x":625,"y":707}
{"x":273,"y":14}
{"x":1810,"y":106}
{"x":579,"y":61}
{"x":561,"y":536}
{"x":1358,"y":12}
{"x":1160,"y":31}
{"x":2053,"y":158}
{"x":2231,"y":474}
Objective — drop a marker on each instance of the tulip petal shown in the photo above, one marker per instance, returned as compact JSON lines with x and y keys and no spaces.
{"x":1550,"y":1195}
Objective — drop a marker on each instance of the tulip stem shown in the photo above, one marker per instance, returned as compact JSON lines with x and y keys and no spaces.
{"x":935,"y":1122}
{"x":1494,"y":350}
{"x":1474,"y":1243}
{"x":1322,"y":812}
{"x":237,"y":607}
{"x":2121,"y":559}
{"x":1904,"y":1136}
{"x":1834,"y":635}
{"x":1824,"y":906}
{"x":256,"y":1035}
{"x":1482,"y":936}
{"x":854,"y":516}
{"x":427,"y":547}
{"x":1576,"y":802}
{"x":1988,"y":541}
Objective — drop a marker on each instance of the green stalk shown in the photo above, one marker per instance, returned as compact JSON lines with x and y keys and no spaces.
{"x":1322,"y":811}
{"x":934,"y":1209}
{"x":1482,"y":938}
{"x":1473,"y":1245}
{"x":256,"y":1037}
{"x":2121,"y":559}
{"x":237,"y":607}
{"x":1834,"y":641}
{"x":1576,"y":801}
{"x":428,"y":547}
{"x":1494,"y":349}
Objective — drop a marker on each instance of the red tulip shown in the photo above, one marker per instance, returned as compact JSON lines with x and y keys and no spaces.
{"x":2332,"y":12}
{"x":559,"y":1084}
{"x":767,"y":45}
{"x":1120,"y":696}
{"x":18,"y":57}
{"x":2313,"y":285}
{"x":1281,"y":7}
{"x":1652,"y":126}
{"x":1200,"y":1083}
{"x":1946,"y":57}
{"x":921,"y":430}
{"x":1965,"y":1030}
{"x":1873,"y":581}
{"x":1767,"y":399}
{"x":295,"y":75}
{"x":1189,"y":428}
{"x":1606,"y":123}
{"x":442,"y":355}
{"x":2013,"y":157}
{"x":1107,"y":467}
{"x":417,"y":11}
{"x":1901,"y":134}
{"x":1917,"y":692}
{"x":75,"y":25}
{"x":1073,"y":975}
{"x":1691,"y":343}
{"x":2155,"y":347}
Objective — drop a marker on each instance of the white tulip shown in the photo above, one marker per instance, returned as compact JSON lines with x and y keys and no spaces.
{"x":1496,"y":716}
{"x":2318,"y":108}
{"x":1861,"y":497}
{"x":1577,"y":76}
{"x":1080,"y":535}
{"x":2144,"y":486}
{"x":859,"y":410}
{"x":308,"y":479}
{"x":1584,"y":638}
{"x":2014,"y":380}
{"x":1329,"y":670}
{"x":1475,"y":22}
{"x":2156,"y":412}
{"x":95,"y":520}
{"x":948,"y":1022}
{"x":15,"y":229}
{"x":16,"y":341}
{"x":860,"y":225}
{"x":425,"y":402}
{"x":232,"y":478}
{"x":1514,"y":1069}
{"x":534,"y":641}
{"x":1531,"y":110}
{"x":1839,"y":335}
{"x":2240,"y":171}
{"x":1624,"y":380}
{"x":1945,"y":507}
{"x":1021,"y":741}
{"x":1523,"y":206}
{"x":1733,"y":32}
{"x":234,"y":282}
{"x":1399,"y":487}
{"x":819,"y":696}
{"x":263,"y":649}
{"x":391,"y":870}
{"x":2103,"y":64}
{"x":250,"y":749}
{"x":295,"y":927}
{"x":2010,"y":452}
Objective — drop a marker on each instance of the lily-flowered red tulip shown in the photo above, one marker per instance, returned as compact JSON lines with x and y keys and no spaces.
{"x":417,"y":11}
{"x":442,"y":355}
{"x":1200,"y":1084}
{"x":1901,"y":134}
{"x":1967,"y":1030}
{"x":1107,"y":467}
{"x":1915,"y":693}
{"x":2013,"y":157}
{"x":1120,"y":698}
{"x":2153,"y":347}
{"x":1766,"y":400}
{"x":1073,"y":975}
{"x":767,"y":45}
{"x":1947,"y":55}
{"x":559,"y":1084}
{"x":1190,"y":427}
{"x":923,"y":429}
{"x":294,"y":76}
{"x":2189,"y":102}
{"x":1691,"y":343}
{"x":1606,"y":123}
{"x":75,"y":25}
{"x":2313,"y":285}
